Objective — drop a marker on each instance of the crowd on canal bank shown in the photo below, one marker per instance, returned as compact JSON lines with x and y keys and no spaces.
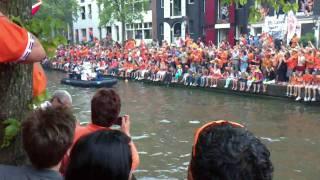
{"x":251,"y":65}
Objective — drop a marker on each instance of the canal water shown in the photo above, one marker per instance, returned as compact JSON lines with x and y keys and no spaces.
{"x":164,"y":120}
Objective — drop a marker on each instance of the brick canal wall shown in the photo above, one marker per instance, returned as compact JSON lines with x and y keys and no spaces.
{"x":274,"y":91}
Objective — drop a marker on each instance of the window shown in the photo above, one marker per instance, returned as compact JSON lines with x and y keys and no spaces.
{"x":147,"y":34}
{"x":90,"y":34}
{"x":84,"y":34}
{"x":82,"y":1}
{"x":161,"y":29}
{"x":90,"y":11}
{"x":305,"y":7}
{"x":161,"y":4}
{"x":108,"y":30}
{"x":83,"y":12}
{"x":139,"y":31}
{"x":191,"y":27}
{"x":129,"y":34}
{"x":176,"y":7}
{"x":177,"y":30}
{"x":100,"y":33}
{"x":138,"y":34}
{"x":117,"y":31}
{"x":191,"y":1}
{"x":223,"y":12}
{"x":77,"y":36}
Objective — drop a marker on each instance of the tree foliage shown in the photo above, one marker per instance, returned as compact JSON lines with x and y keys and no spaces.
{"x":51,"y":22}
{"x":63,"y":10}
{"x":124,"y":11}
{"x":255,"y":6}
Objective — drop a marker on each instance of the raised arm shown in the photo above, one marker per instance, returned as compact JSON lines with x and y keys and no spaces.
{"x":17,"y":44}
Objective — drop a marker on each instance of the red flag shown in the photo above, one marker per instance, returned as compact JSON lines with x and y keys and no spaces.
{"x":36,"y":7}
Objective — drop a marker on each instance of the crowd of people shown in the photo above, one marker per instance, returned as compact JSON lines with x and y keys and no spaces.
{"x":251,"y":65}
{"x":59,"y":148}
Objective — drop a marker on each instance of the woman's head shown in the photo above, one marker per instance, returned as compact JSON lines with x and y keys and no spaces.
{"x":105,"y":107}
{"x":101,"y":155}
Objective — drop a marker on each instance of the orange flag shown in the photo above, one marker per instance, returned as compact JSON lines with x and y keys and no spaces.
{"x":39,"y":80}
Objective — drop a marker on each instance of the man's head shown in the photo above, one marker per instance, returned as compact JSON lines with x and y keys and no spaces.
{"x":105,"y":107}
{"x":226,"y":150}
{"x":47,"y":135}
{"x":61,"y":98}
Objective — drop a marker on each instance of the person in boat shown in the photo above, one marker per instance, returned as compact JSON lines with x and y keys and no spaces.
{"x":105,"y":110}
{"x":227,"y":150}
{"x":46,"y":137}
{"x":76,"y":72}
{"x":104,"y":154}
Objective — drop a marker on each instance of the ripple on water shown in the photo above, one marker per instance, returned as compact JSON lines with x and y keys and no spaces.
{"x":194,"y":122}
{"x":156,"y":154}
{"x":270,"y":139}
{"x":142,"y":152}
{"x":144,"y":136}
{"x":184,"y":155}
{"x":165,"y":121}
{"x":186,"y":163}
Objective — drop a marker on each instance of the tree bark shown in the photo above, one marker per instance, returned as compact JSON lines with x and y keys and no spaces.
{"x":15,"y":88}
{"x":123,"y":31}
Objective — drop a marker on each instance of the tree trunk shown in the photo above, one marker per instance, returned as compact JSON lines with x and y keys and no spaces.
{"x":71,"y":33}
{"x":123,"y":31}
{"x":15,"y":88}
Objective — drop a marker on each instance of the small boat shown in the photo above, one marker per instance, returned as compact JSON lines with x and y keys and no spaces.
{"x":105,"y":82}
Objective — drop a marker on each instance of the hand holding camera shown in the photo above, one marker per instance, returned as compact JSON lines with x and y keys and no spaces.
{"x":124,"y":123}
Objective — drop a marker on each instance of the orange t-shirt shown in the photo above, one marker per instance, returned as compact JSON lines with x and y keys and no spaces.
{"x":266,"y":63}
{"x":86,"y":130}
{"x":307,"y":78}
{"x":250,"y":57}
{"x":293,"y":80}
{"x":299,"y":80}
{"x":317,"y":62}
{"x":292,"y":62}
{"x":15,"y":42}
{"x":310,"y":61}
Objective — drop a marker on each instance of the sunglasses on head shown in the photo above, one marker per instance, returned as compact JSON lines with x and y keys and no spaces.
{"x":211,"y":124}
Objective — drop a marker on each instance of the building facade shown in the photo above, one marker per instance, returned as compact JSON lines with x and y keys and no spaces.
{"x":173,"y":19}
{"x":87,"y":26}
{"x":308,"y":21}
{"x":210,"y":20}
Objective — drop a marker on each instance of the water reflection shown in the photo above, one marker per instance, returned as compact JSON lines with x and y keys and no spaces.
{"x":164,"y":120}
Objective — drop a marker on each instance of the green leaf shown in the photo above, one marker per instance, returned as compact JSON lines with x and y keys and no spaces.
{"x":10,"y":132}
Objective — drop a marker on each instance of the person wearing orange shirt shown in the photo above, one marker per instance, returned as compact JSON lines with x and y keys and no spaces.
{"x":309,"y":60}
{"x":316,"y":86}
{"x":298,"y":86}
{"x":292,"y":63}
{"x":317,"y":63}
{"x":105,"y":110}
{"x":290,"y":86}
{"x":17,"y":44}
{"x":308,"y":84}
